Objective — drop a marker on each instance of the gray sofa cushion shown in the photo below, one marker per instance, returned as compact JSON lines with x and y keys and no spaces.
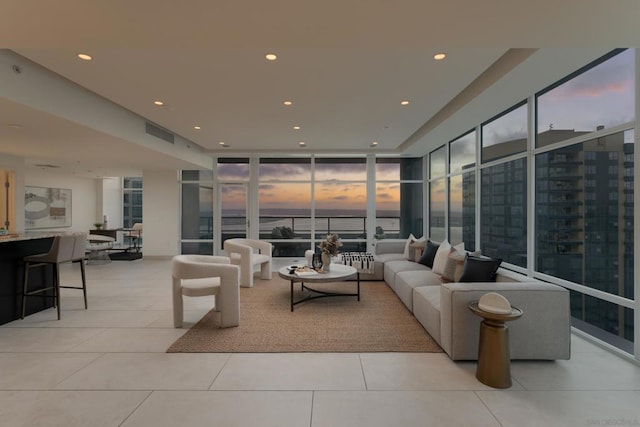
{"x":407,"y":280}
{"x":393,"y":267}
{"x":389,"y":257}
{"x":426,"y":309}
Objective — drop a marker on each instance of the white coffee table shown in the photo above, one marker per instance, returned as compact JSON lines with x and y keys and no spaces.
{"x":338,"y":272}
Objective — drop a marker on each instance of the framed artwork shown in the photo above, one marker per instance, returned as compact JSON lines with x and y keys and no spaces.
{"x":46,"y":207}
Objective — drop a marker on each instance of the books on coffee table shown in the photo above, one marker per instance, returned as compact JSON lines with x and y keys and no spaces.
{"x":305,"y":271}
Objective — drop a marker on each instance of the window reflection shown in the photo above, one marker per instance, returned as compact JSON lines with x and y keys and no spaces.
{"x":462,"y":153}
{"x":437,"y":200}
{"x":503,"y":219}
{"x":584,"y":214}
{"x":599,"y":98}
{"x":505,"y":135}
{"x":438,"y":163}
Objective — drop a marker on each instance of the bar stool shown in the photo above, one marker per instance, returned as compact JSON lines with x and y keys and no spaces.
{"x":63,"y":249}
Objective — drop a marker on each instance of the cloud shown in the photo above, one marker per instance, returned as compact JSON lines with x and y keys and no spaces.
{"x":613,"y":75}
{"x":286,"y":171}
{"x":603,"y":95}
{"x":384,"y":196}
{"x":232,"y":170}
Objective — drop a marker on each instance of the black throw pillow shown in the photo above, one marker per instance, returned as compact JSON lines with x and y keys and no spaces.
{"x":429,"y":254}
{"x":479,"y":269}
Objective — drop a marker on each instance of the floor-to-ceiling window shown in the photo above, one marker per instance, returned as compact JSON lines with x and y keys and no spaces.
{"x":575,"y":227}
{"x":398,"y":198}
{"x":233,"y":176}
{"x":437,"y":194}
{"x":584,"y":193}
{"x":299,"y":200}
{"x":196,"y":188}
{"x":285,"y":207}
{"x":503,"y":182}
{"x":340,"y":194}
{"x":462,"y":191}
{"x":132,"y":201}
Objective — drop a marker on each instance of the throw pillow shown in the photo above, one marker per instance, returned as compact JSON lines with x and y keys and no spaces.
{"x":453,"y":267}
{"x":429,"y":253}
{"x":480,"y":269}
{"x":411,"y":239}
{"x":440,"y":261}
{"x":455,"y":264}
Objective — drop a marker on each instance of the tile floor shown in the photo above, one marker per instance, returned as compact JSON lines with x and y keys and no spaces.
{"x":106,"y":366}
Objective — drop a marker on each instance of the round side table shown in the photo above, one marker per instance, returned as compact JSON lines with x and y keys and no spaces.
{"x":494,"y":362}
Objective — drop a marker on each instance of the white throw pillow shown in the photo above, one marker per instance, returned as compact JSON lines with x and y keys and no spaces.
{"x":407,"y":246}
{"x":440,"y":261}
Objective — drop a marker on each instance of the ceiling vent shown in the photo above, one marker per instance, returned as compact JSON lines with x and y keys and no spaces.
{"x":158,"y":132}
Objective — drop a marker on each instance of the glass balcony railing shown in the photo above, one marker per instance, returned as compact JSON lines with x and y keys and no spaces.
{"x":291,"y":235}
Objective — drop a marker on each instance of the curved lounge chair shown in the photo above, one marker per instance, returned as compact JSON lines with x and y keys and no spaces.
{"x":246,"y":253}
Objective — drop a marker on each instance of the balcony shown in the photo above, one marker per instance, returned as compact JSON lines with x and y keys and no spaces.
{"x":291,"y":235}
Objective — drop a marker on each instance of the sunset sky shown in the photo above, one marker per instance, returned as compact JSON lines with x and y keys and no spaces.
{"x":338,"y":186}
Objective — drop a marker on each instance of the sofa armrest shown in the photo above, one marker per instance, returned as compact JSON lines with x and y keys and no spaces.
{"x":543,"y":332}
{"x":390,"y":246}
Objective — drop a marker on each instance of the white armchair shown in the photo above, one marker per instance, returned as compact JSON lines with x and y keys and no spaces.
{"x":200,"y":275}
{"x":246,"y":253}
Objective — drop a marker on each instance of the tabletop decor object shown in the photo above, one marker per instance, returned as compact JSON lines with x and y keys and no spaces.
{"x":329,"y":248}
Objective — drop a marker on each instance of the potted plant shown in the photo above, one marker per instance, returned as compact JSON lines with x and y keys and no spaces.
{"x":98,"y":225}
{"x":329,"y":248}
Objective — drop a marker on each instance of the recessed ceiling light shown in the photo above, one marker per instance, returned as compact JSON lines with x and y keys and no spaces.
{"x":287,"y":103}
{"x":296,"y":128}
{"x":404,"y":102}
{"x":439,"y":56}
{"x":158,"y":103}
{"x":222,"y":143}
{"x":197,"y":127}
{"x":374,"y":144}
{"x":271,"y":56}
{"x":85,"y":57}
{"x":302,"y":144}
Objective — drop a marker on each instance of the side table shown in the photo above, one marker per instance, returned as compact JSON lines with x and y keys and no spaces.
{"x":494,"y":362}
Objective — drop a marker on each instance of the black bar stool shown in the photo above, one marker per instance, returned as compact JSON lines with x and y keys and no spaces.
{"x":63,"y":249}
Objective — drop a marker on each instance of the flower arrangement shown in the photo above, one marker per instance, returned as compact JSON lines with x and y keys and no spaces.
{"x":331,"y":244}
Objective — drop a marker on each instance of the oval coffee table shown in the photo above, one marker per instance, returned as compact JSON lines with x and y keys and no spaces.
{"x":338,"y":272}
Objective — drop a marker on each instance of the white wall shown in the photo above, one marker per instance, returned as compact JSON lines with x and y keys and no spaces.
{"x":83,"y":196}
{"x":160,"y":210}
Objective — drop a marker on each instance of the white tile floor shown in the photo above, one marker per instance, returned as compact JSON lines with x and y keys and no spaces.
{"x":106,"y":366}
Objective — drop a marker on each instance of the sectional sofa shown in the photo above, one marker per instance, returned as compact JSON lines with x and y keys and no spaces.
{"x":542,"y":333}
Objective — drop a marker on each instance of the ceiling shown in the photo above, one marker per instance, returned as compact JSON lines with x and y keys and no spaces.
{"x":346,"y":66}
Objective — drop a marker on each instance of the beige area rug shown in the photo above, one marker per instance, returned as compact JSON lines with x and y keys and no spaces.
{"x":379,"y":322}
